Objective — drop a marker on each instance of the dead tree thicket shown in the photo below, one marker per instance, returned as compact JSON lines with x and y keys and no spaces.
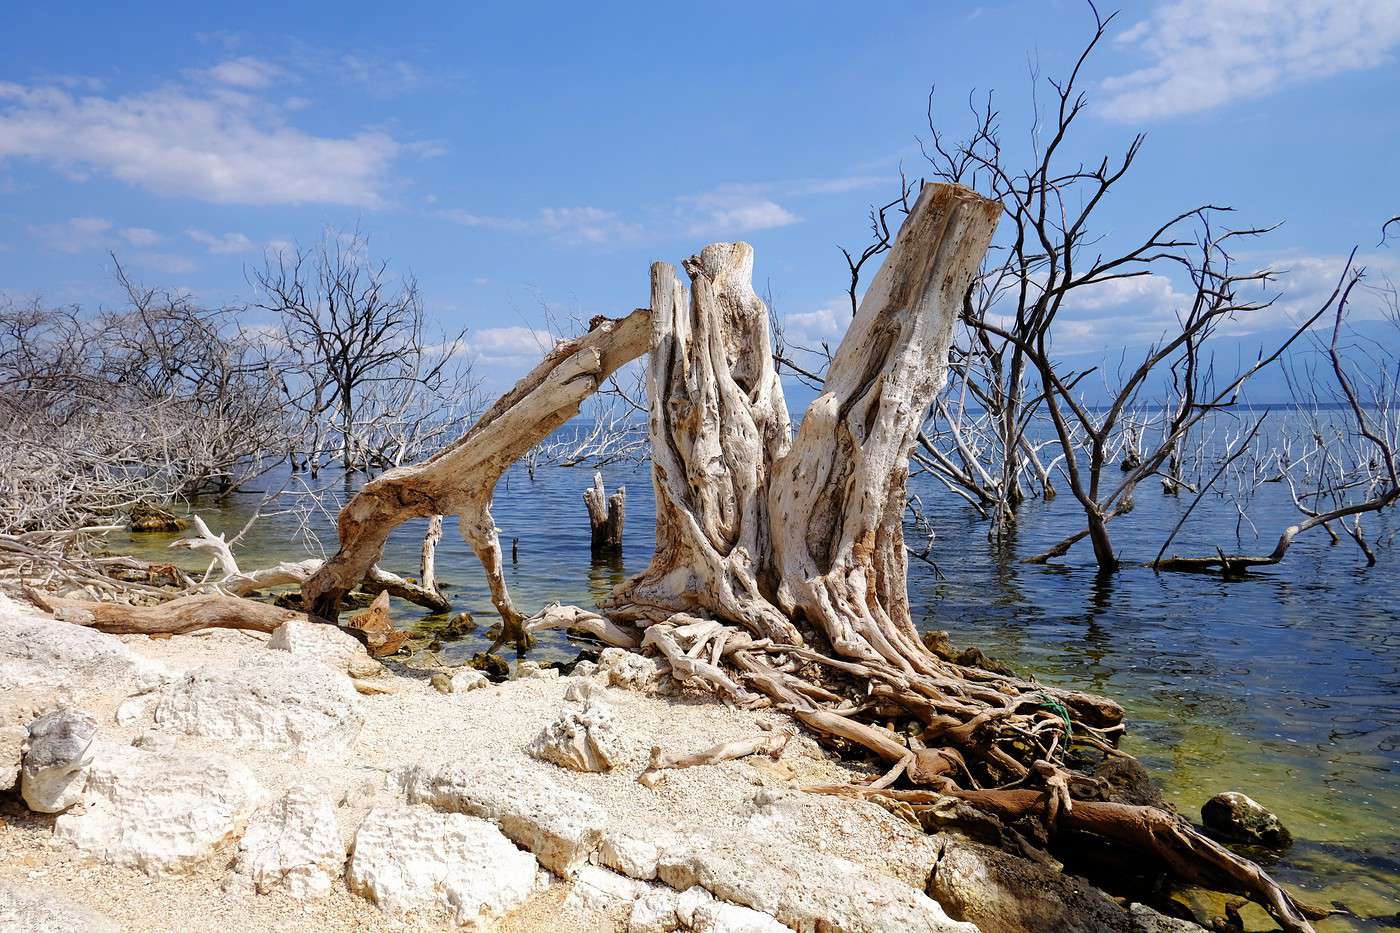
{"x":157,"y":400}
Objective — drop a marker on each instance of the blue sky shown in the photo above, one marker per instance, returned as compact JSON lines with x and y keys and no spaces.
{"x":514,"y":156}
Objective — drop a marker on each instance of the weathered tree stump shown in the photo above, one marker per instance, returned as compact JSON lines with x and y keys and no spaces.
{"x":605,"y":517}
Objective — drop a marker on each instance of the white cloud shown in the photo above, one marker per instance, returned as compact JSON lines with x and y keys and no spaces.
{"x":222,"y":146}
{"x":568,"y":224}
{"x":826,"y":324}
{"x":726,"y":213}
{"x":1202,"y":54}
{"x":246,"y":72}
{"x":76,"y":235}
{"x":140,"y":236}
{"x":509,"y":344}
{"x":224,"y":244}
{"x":84,"y":234}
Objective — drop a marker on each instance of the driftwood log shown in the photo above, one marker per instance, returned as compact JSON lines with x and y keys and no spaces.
{"x":779,"y":574}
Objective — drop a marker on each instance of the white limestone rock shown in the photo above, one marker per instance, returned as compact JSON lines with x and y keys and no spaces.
{"x":462,"y":680}
{"x":294,"y":842}
{"x":326,"y":644}
{"x":414,"y":860}
{"x":603,"y":891}
{"x":806,"y":890}
{"x":586,"y":738}
{"x":39,"y":652}
{"x":29,"y":908}
{"x":57,"y":756}
{"x":135,"y":708}
{"x":629,"y":670}
{"x":12,"y":739}
{"x":160,"y":813}
{"x":582,"y":688}
{"x":634,"y":854}
{"x":561,"y":827}
{"x":662,"y":911}
{"x":532,"y":670}
{"x":278,"y":700}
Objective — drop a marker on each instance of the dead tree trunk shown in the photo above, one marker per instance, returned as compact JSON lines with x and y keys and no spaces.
{"x":461,"y":479}
{"x":779,"y":573}
{"x":605,"y":517}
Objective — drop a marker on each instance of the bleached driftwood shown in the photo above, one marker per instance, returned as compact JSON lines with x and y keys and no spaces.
{"x":176,"y":617}
{"x":770,"y":744}
{"x":238,"y":582}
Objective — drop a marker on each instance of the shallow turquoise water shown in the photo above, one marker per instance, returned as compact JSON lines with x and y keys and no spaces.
{"x":1285,"y":685}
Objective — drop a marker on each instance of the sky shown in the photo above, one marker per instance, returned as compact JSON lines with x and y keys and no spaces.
{"x":527,"y":162}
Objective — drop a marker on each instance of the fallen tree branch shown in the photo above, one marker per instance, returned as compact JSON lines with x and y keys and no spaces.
{"x":770,"y":744}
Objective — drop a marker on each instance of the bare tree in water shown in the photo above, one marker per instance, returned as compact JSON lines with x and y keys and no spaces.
{"x":371,"y":372}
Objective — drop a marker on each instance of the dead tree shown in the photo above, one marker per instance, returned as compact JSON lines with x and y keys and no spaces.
{"x":779,"y":571}
{"x":1356,"y":475}
{"x":366,"y":358}
{"x":605,"y":517}
{"x":460,"y":479}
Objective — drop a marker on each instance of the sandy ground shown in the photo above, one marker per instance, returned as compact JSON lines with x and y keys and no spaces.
{"x":416,"y":724}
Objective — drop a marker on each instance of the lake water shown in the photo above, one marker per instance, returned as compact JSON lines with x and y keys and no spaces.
{"x":1284,"y":685}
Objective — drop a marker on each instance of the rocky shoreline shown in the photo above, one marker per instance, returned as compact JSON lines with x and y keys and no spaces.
{"x":291,"y":782}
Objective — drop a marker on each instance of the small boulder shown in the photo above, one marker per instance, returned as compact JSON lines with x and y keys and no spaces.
{"x":581,"y":739}
{"x":160,"y":813}
{"x":294,"y":842}
{"x":1235,"y":817}
{"x":461,"y":680}
{"x":58,"y":754}
{"x":629,"y":670}
{"x":414,"y":860}
{"x":277,"y":700}
{"x":325,"y":643}
{"x":147,"y":518}
{"x":533,"y":670}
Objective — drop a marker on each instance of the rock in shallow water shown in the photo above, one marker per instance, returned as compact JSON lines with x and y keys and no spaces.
{"x":414,"y":859}
{"x":1235,"y":817}
{"x":1004,"y":894}
{"x":56,"y":760}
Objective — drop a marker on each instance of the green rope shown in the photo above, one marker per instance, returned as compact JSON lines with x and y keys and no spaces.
{"x":1056,"y":707}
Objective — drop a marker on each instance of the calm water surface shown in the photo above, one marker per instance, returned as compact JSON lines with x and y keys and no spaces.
{"x":1285,"y":685}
